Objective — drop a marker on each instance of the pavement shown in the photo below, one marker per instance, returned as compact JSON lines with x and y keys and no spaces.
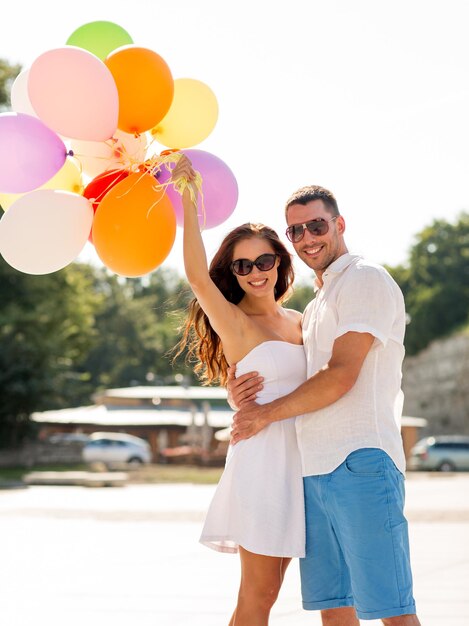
{"x":121,"y":556}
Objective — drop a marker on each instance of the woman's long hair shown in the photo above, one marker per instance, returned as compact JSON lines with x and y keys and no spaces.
{"x":202,"y":342}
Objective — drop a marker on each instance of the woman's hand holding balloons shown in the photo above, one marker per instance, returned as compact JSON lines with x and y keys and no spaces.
{"x":219,"y":189}
{"x":184,"y":178}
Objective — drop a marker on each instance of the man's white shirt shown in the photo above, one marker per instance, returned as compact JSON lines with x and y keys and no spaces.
{"x":362,"y":297}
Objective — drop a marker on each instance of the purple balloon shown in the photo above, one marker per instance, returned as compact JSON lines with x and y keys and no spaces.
{"x":219,"y":188}
{"x":30,"y":153}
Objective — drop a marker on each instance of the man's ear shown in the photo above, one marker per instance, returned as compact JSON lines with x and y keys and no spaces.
{"x":340,"y":224}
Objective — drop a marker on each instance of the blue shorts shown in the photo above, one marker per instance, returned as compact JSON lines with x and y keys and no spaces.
{"x":357,"y":547}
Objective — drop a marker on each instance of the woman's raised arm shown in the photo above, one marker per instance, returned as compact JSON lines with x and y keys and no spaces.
{"x":222,"y":314}
{"x":195,"y":259}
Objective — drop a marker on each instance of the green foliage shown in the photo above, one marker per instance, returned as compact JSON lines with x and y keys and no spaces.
{"x":46,"y":326}
{"x":303,"y":293}
{"x":136,"y":328}
{"x":435,"y":282}
{"x":8,"y":73}
{"x":66,"y":335}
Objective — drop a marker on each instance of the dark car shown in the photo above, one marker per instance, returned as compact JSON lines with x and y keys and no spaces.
{"x":444,"y":453}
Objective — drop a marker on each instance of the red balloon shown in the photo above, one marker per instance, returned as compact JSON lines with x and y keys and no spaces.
{"x":96,"y":189}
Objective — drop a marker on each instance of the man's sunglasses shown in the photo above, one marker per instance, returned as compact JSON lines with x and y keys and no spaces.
{"x":317,"y":227}
{"x":264,"y":263}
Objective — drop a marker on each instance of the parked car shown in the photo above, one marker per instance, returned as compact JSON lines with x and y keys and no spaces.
{"x":116,"y":449}
{"x":444,"y":453}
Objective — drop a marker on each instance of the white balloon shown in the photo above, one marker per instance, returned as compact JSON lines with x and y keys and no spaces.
{"x":45,"y":230}
{"x":20,"y":102}
{"x":122,"y":151}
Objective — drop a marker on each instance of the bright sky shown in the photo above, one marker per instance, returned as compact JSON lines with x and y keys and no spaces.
{"x":367,"y":98}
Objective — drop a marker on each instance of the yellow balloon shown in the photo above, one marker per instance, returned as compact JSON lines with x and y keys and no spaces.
{"x":68,"y":178}
{"x":191,"y":117}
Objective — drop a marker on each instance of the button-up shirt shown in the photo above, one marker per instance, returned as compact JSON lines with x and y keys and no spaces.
{"x":356,"y":296}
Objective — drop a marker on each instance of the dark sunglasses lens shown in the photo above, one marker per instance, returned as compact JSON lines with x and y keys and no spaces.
{"x":265,"y":262}
{"x":242,"y":267}
{"x":295,"y":233}
{"x":318,"y":227}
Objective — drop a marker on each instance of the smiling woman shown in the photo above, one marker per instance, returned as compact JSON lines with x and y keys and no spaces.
{"x":238,"y":279}
{"x":237,"y":317}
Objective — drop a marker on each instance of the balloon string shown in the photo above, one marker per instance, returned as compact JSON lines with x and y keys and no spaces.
{"x":111,"y":184}
{"x":154,"y":165}
{"x":126,"y":160}
{"x":168,"y":159}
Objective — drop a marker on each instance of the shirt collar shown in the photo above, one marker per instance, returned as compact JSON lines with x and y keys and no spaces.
{"x":337,"y":267}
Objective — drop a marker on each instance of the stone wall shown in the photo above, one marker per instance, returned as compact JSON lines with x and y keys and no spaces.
{"x":436,"y":386}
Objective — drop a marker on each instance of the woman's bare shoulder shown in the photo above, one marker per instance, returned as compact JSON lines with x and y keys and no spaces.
{"x":294,"y":314}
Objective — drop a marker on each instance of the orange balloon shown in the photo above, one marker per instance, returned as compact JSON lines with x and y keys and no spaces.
{"x":134,"y":226}
{"x":145,"y":86}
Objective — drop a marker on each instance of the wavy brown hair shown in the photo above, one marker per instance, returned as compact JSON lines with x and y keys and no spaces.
{"x":202,"y":342}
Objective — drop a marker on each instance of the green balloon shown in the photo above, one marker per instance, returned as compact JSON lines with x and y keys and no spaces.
{"x":100,"y":38}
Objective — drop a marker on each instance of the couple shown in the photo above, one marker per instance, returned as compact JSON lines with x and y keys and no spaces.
{"x":316,"y":466}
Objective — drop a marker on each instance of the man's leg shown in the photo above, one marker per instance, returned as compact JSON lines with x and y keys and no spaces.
{"x":366,"y":501}
{"x":325,"y":579}
{"x":402,"y":620}
{"x":345,"y":616}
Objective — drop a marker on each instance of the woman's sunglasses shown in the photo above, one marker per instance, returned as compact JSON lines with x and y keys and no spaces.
{"x":264,"y":263}
{"x":317,"y":227}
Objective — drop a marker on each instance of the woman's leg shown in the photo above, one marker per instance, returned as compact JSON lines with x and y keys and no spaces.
{"x":261,"y":579}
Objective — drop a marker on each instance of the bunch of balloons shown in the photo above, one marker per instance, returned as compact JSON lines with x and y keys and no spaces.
{"x":78,"y":156}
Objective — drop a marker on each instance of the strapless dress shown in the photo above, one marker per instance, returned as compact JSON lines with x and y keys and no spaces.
{"x":258,"y":503}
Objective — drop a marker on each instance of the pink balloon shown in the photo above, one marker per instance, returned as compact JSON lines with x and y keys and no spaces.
{"x":74,"y":93}
{"x":30,"y":153}
{"x":219,"y":188}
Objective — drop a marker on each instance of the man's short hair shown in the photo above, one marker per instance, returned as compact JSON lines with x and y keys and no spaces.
{"x":313,"y":192}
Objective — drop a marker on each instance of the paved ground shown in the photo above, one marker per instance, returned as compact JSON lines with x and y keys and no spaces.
{"x":80,"y":556}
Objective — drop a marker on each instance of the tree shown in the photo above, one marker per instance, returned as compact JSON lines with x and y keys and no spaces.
{"x":136,"y":328}
{"x":435,"y":282}
{"x":303,"y":293}
{"x":8,"y":73}
{"x":66,"y":335}
{"x":46,"y":326}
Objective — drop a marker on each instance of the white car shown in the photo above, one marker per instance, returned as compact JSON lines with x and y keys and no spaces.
{"x":116,"y":449}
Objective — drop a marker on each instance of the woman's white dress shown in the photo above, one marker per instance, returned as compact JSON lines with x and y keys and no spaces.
{"x":258,"y":503}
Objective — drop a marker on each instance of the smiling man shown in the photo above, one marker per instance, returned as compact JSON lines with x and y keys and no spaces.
{"x":348,"y":426}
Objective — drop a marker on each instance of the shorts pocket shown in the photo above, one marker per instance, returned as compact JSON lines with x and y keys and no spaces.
{"x":366,"y":462}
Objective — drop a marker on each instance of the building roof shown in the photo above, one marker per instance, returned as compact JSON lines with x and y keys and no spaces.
{"x":100,"y":415}
{"x":407,"y":420}
{"x":149,"y":392}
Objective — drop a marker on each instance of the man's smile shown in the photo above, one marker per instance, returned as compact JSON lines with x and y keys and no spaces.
{"x":313,"y":250}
